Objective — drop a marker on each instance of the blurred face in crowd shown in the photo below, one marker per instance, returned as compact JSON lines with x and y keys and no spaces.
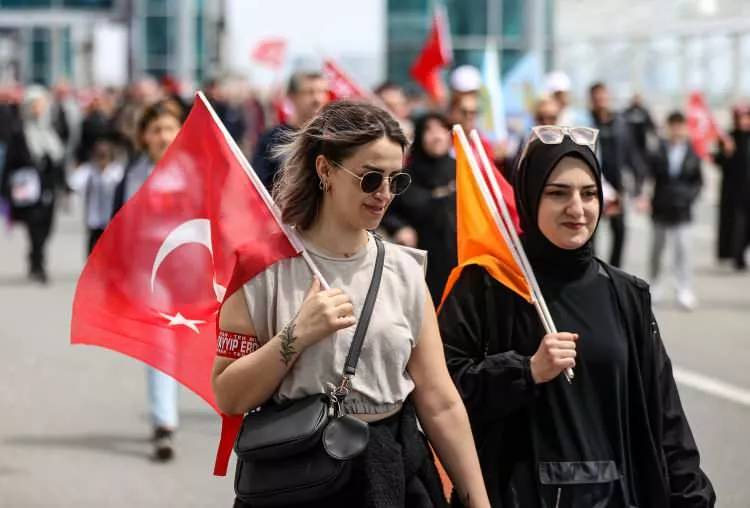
{"x":562,"y":97}
{"x":357,"y":208}
{"x":677,"y":131}
{"x":743,"y":121}
{"x":311,"y":95}
{"x":159,"y":134}
{"x":465,"y":111}
{"x":569,"y":206}
{"x":395,"y":100}
{"x":436,"y":139}
{"x":38,"y":107}
{"x":102,"y":154}
{"x":546,"y":112}
{"x":600,"y":99}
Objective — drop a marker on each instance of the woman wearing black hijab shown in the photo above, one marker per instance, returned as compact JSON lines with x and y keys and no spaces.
{"x":617,"y":435}
{"x":427,"y":209}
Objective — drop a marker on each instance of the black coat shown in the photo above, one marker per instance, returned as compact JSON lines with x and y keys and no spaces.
{"x":433,"y":217}
{"x":674,"y":195}
{"x":735,"y":192}
{"x":490,"y":334}
{"x":51,"y":174}
{"x":265,"y":165}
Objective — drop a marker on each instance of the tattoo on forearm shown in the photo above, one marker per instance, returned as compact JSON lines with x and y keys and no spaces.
{"x":287,"y":344}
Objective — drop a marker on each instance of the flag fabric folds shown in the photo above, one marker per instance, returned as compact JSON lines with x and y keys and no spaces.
{"x":436,"y":54}
{"x":200,"y":226}
{"x":340,"y":84}
{"x":479,"y":231}
{"x":701,"y":124}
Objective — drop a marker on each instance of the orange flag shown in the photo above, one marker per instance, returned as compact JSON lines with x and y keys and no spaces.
{"x":480,"y":240}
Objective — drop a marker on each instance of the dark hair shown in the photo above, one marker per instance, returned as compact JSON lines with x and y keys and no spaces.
{"x":336,"y":133}
{"x":598,"y":85}
{"x":163,"y":107}
{"x":296,"y":79}
{"x":675,"y":117}
{"x":388,"y":85}
{"x":420,"y":126}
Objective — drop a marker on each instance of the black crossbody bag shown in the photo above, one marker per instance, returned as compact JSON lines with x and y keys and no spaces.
{"x":302,"y":450}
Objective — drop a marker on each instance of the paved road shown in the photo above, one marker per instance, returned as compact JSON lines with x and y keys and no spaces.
{"x":73,"y":424}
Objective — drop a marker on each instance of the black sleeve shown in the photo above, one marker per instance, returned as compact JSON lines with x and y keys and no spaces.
{"x":262,"y":164}
{"x":634,"y":160}
{"x":689,"y":485}
{"x":491,"y":385}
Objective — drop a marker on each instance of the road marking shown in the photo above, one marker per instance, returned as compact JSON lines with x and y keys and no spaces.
{"x":712,"y":386}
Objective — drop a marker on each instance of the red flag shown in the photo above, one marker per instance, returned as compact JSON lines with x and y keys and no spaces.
{"x":340,"y":84}
{"x":200,"y":226}
{"x":270,"y":52}
{"x":436,"y":54}
{"x":701,"y":124}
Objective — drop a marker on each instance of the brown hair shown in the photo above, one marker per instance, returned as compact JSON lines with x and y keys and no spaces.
{"x":151,"y":113}
{"x":336,"y":133}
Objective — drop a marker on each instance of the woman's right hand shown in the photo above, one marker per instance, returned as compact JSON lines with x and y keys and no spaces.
{"x":556,"y":352}
{"x":322,"y":313}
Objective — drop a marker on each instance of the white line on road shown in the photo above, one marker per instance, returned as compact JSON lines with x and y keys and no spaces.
{"x":712,"y":386}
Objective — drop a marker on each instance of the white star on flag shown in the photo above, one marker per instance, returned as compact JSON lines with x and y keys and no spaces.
{"x":179,"y":319}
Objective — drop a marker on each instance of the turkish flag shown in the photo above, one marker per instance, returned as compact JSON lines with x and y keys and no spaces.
{"x":340,"y":84}
{"x":270,"y":52}
{"x":200,"y":226}
{"x":436,"y":54}
{"x":701,"y":124}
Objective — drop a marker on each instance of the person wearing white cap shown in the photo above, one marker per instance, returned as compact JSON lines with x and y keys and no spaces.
{"x":465,"y":79}
{"x":558,"y":86}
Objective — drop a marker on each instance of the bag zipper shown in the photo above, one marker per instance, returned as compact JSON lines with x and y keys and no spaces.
{"x":557,"y":499}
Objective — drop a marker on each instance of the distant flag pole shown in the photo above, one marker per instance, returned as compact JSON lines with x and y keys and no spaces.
{"x":509,"y":234}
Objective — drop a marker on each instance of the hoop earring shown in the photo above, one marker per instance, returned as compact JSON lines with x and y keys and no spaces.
{"x":324,"y":186}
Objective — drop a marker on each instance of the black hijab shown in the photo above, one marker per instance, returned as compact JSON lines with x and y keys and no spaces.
{"x":426,"y":170}
{"x":529,"y":180}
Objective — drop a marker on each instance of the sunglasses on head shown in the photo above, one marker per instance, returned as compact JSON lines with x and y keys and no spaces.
{"x":372,"y":181}
{"x":554,"y":135}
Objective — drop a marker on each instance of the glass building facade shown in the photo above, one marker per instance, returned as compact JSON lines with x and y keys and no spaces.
{"x":514,"y":27}
{"x":43,"y":41}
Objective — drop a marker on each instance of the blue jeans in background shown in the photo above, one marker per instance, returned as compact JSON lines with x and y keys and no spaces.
{"x":162,"y":399}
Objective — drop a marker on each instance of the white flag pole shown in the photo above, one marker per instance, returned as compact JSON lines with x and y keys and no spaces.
{"x":516,"y":247}
{"x":290,"y":233}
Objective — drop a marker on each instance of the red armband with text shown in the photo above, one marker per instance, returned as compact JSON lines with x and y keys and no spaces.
{"x":235,"y":345}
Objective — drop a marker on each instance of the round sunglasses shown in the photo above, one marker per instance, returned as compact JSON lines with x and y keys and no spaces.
{"x":372,"y":181}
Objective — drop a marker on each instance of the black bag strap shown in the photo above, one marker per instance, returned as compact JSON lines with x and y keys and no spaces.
{"x":364,"y":318}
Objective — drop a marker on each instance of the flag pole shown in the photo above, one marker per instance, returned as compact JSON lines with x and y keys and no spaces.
{"x":290,"y":233}
{"x":511,"y":237}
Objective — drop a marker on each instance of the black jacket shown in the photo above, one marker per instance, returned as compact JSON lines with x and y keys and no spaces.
{"x":674,"y":195}
{"x":51,"y":174}
{"x":490,"y":334}
{"x":617,"y":152}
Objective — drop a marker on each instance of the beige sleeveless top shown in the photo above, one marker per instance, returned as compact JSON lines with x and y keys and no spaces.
{"x":381,"y":383}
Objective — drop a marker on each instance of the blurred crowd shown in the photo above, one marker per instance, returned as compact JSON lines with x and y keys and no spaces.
{"x":59,"y":141}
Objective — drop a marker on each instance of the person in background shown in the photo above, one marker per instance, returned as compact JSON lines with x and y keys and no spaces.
{"x":9,"y":118}
{"x":34,"y":175}
{"x":97,"y":123}
{"x":558,"y":86}
{"x":642,"y":127}
{"x":733,"y":157}
{"x":66,"y":118}
{"x":616,"y":155}
{"x":97,"y":180}
{"x":308,"y":92}
{"x":425,"y":215}
{"x":677,"y":177}
{"x":230,"y":114}
{"x":394,"y":99}
{"x":140,"y":94}
{"x":156,"y":129}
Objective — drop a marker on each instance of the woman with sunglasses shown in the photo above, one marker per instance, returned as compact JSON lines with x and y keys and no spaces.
{"x":340,"y":173}
{"x":616,"y":435}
